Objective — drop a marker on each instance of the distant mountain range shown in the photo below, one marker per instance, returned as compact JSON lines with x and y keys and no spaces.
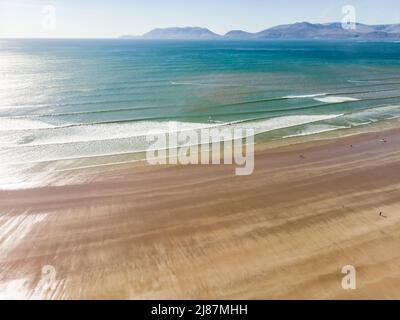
{"x":301,"y":30}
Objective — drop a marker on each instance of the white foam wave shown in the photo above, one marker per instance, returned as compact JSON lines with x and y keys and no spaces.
{"x":102,"y":132}
{"x":306,"y":96}
{"x":175,"y":83}
{"x":315,"y":130}
{"x":136,"y":130}
{"x":267,"y":125}
{"x":364,"y":81}
{"x":87,"y":145}
{"x":383,"y":112}
{"x":335,"y":99}
{"x":178,"y":83}
{"x":9,"y":124}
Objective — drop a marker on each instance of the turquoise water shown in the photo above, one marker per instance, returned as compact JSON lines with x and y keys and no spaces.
{"x":72,"y":103}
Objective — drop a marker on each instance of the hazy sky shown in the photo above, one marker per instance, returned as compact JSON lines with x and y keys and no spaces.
{"x":101,"y":18}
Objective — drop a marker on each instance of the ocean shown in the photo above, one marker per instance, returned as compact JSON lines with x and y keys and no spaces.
{"x":68,"y":104}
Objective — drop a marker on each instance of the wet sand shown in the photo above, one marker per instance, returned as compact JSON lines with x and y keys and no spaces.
{"x":200,"y":232}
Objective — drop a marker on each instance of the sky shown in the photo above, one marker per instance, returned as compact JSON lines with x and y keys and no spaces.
{"x":112,"y":18}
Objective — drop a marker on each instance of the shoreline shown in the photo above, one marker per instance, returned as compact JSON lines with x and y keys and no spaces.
{"x":92,"y":168}
{"x":200,"y":232}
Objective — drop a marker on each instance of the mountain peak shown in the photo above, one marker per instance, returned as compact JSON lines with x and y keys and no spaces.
{"x":238,"y":34}
{"x":186,"y":33}
{"x":298,"y":30}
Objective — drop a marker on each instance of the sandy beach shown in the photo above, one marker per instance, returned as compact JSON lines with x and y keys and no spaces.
{"x":200,"y":232}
